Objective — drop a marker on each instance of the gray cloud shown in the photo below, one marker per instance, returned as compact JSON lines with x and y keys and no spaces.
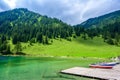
{"x":70,"y":11}
{"x":3,"y":6}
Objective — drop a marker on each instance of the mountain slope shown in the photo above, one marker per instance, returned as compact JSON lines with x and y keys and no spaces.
{"x":101,"y":21}
{"x":23,"y":26}
{"x":29,"y":24}
{"x":21,"y":29}
{"x":24,"y":15}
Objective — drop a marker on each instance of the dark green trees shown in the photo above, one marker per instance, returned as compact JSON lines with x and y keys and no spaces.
{"x":18,"y":48}
{"x":15,"y":39}
{"x":22,"y":25}
{"x":4,"y":45}
{"x":111,"y":33}
{"x":27,"y":25}
{"x":39,"y":37}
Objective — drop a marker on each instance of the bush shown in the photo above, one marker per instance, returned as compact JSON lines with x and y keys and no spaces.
{"x":110,"y":41}
{"x":69,"y":38}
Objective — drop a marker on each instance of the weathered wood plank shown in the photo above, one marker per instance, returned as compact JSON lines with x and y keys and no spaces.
{"x":106,"y":74}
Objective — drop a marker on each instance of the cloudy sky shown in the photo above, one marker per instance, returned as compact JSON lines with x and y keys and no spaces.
{"x":70,"y":11}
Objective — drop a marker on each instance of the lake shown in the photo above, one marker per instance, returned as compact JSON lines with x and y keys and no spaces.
{"x":39,"y":68}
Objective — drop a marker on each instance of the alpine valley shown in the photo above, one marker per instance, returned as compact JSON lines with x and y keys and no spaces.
{"x":23,"y":32}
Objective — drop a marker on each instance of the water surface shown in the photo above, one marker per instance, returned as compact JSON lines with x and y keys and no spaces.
{"x":39,"y":68}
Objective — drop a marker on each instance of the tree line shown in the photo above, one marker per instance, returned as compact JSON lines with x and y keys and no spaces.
{"x":46,"y":34}
{"x":21,"y":25}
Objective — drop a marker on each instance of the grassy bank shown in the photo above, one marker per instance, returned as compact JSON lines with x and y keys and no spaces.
{"x":75,"y":48}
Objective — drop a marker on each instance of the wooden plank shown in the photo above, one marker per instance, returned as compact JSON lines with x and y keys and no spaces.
{"x":106,"y":74}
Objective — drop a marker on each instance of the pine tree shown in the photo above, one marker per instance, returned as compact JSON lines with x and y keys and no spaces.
{"x":18,"y":48}
{"x":46,"y":40}
{"x":39,"y":37}
{"x":15,"y":39}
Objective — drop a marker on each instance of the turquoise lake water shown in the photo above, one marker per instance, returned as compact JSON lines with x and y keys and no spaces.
{"x":38,"y":68}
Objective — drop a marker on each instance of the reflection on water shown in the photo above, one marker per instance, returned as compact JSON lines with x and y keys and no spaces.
{"x":9,"y":61}
{"x":36,"y":68}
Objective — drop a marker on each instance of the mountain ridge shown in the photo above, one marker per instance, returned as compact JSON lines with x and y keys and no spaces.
{"x":16,"y":13}
{"x":100,"y":21}
{"x":21,"y":21}
{"x":21,"y":26}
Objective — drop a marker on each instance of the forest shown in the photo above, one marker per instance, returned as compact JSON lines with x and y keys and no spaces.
{"x":23,"y":26}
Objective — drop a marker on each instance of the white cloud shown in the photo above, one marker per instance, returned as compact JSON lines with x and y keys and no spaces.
{"x":70,"y":11}
{"x":92,"y":7}
{"x":11,"y":3}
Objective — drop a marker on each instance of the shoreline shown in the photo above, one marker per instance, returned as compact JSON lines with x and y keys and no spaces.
{"x":62,"y":57}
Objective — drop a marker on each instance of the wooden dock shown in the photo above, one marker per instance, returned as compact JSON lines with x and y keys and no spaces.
{"x":95,"y":73}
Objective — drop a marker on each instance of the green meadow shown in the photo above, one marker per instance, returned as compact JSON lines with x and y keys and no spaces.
{"x":35,"y":46}
{"x":46,"y":61}
{"x":75,"y":48}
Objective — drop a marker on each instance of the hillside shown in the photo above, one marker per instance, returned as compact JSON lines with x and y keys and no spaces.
{"x":23,"y":16}
{"x":106,"y":26}
{"x":25,"y":32}
{"x":29,"y":25}
{"x":23,"y":21}
{"x":103,"y":20}
{"x":21,"y":25}
{"x":77,"y":48}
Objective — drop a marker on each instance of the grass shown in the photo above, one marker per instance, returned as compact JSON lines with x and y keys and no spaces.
{"x":48,"y":68}
{"x":75,"y":48}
